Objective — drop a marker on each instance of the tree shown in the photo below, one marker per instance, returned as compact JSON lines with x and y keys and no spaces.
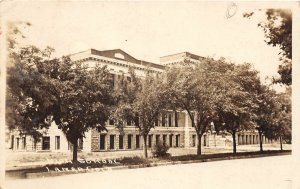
{"x":13,"y":103}
{"x":265,"y":113}
{"x":237,"y":109}
{"x":126,"y":91}
{"x":24,"y":94}
{"x":282,"y":123}
{"x":196,"y":89}
{"x":15,"y":33}
{"x":141,"y":100}
{"x":76,"y":97}
{"x":278,"y":32}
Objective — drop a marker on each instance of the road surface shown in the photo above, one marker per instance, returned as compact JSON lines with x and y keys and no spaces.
{"x":259,"y":173}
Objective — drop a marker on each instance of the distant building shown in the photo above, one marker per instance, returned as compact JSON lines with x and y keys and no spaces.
{"x":178,"y":58}
{"x":173,"y":128}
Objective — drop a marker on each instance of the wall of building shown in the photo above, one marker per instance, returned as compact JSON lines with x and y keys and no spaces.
{"x":247,"y":138}
{"x":57,"y":141}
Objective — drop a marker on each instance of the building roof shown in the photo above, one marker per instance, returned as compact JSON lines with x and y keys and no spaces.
{"x":122,"y":55}
{"x":180,"y":55}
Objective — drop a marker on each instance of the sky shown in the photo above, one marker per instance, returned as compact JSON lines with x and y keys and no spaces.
{"x":149,"y":30}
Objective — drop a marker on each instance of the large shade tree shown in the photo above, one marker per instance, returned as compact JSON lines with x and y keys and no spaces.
{"x":197,"y":89}
{"x":237,"y":109}
{"x":76,"y":97}
{"x":26,"y":98}
{"x":277,"y":28}
{"x":141,"y":100}
{"x":282,"y":123}
{"x":15,"y":104}
{"x":266,"y":112}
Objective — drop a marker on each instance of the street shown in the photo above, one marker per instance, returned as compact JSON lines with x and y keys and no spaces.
{"x":259,"y":173}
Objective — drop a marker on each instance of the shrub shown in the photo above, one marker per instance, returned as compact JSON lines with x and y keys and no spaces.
{"x":133,"y":160}
{"x":160,"y":150}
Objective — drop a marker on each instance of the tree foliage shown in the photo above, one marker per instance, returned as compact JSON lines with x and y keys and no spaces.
{"x":266,"y":112}
{"x":140,"y":100}
{"x":278,"y":32}
{"x":197,"y":89}
{"x":26,"y":93}
{"x":236,"y":109}
{"x":77,"y":98}
{"x":15,"y":33}
{"x":282,"y":121}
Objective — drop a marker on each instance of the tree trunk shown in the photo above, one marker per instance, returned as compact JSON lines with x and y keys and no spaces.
{"x":280,"y":138}
{"x":145,"y":145}
{"x":234,"y":142}
{"x":260,"y":141}
{"x":199,"y":145}
{"x":75,"y":148}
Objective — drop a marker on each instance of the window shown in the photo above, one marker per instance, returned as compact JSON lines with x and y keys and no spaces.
{"x":193,"y":140}
{"x":128,"y":122}
{"x":121,"y":142}
{"x":163,"y":121}
{"x":111,"y":122}
{"x":119,"y":55}
{"x":177,"y":140}
{"x":34,"y":144}
{"x":23,"y":143}
{"x":57,"y":142}
{"x":137,"y":141}
{"x":46,"y":143}
{"x":18,"y":143}
{"x":157,"y":139}
{"x":170,"y":120}
{"x":129,"y":141}
{"x":176,"y":119}
{"x":150,"y":141}
{"x":80,"y":143}
{"x":164,"y":139}
{"x":171,"y":140}
{"x":128,"y":78}
{"x":112,"y":80}
{"x":102,"y":142}
{"x":136,"y":121}
{"x":156,"y":122}
{"x":193,"y":116}
{"x":112,"y":142}
{"x":12,"y":142}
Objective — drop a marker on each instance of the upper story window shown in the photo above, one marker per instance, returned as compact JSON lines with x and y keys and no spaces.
{"x":112,"y":79}
{"x":176,"y":118}
{"x":170,"y":120}
{"x":119,"y":55}
{"x":129,"y":122}
{"x":111,"y":122}
{"x":163,"y":120}
{"x":156,"y":121}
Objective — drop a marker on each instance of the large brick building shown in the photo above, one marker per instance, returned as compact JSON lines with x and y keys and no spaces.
{"x":174,"y":128}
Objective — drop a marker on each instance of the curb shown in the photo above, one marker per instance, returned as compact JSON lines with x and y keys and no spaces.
{"x":54,"y":173}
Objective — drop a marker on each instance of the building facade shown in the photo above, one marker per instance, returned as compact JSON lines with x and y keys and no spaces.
{"x":173,"y":128}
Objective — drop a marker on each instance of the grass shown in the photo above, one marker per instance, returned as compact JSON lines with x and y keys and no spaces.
{"x":136,"y":160}
{"x":221,"y":155}
{"x":17,"y":159}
